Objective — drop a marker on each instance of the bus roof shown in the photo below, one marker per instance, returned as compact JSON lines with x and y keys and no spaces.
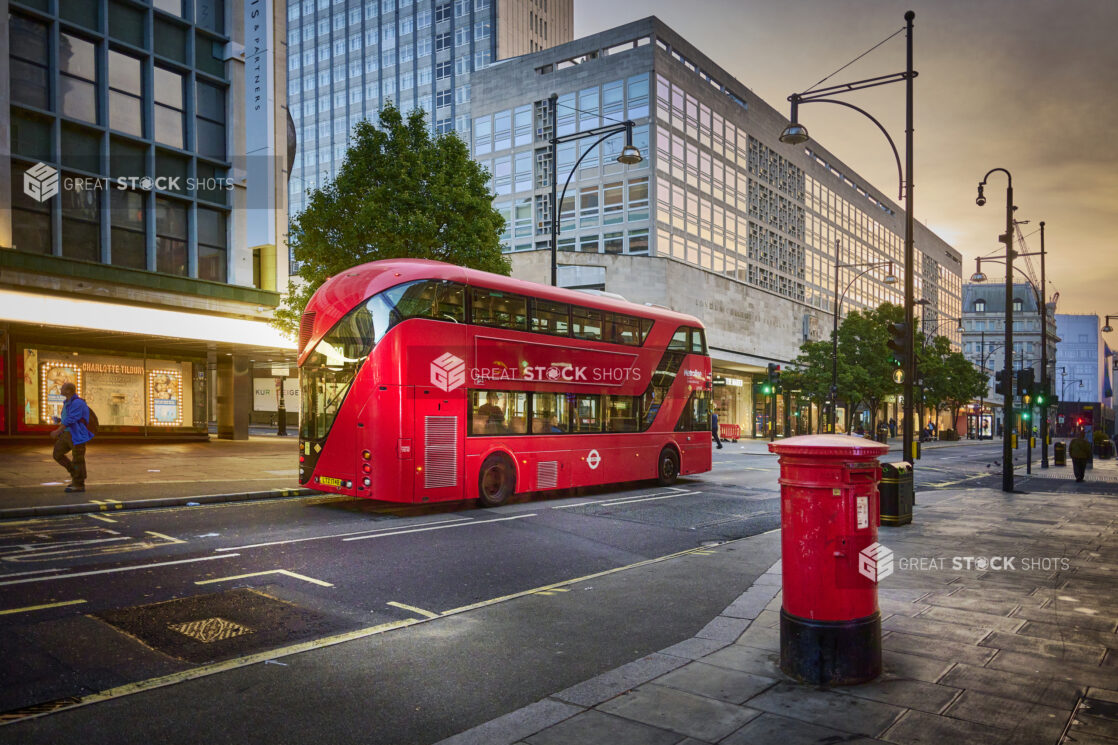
{"x":344,"y":291}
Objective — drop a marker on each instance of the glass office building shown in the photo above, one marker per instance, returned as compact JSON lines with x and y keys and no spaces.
{"x":125,"y":263}
{"x":346,"y":58}
{"x":720,"y":219}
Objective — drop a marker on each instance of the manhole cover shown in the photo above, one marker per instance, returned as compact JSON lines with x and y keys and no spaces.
{"x":205,"y":628}
{"x":211,"y":629}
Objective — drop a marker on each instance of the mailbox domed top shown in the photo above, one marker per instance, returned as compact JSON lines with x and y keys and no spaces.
{"x":829,"y":445}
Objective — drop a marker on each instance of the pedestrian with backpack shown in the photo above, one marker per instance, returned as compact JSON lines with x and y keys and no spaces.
{"x":76,"y":427}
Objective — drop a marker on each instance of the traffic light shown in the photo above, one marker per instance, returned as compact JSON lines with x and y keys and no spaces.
{"x":1026,"y":415}
{"x":1025,"y":381}
{"x":1000,"y":386}
{"x":899,"y":341}
{"x":773,"y":386}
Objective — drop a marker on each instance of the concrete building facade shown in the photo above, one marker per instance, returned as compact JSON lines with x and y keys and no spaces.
{"x":138,"y":237}
{"x":346,"y":58}
{"x":1084,"y":365}
{"x":720,"y":219}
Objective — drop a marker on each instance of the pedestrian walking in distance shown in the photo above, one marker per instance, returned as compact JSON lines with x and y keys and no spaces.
{"x":714,"y":428}
{"x":1080,"y":452}
{"x":72,"y":435}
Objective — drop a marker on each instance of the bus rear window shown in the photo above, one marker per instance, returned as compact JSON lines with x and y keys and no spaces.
{"x":551,"y":318}
{"x":625,"y":330}
{"x":587,"y":323}
{"x":498,"y":309}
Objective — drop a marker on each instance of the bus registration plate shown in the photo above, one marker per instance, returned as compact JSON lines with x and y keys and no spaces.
{"x":330,"y":481}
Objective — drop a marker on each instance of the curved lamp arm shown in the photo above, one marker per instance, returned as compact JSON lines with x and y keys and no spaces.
{"x":896,"y":154}
{"x":563,"y":194}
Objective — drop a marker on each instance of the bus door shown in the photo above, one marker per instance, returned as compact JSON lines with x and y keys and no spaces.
{"x":438,"y":444}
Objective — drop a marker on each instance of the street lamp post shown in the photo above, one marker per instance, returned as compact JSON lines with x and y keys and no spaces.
{"x":1007,"y":409}
{"x":629,"y":156}
{"x":889,"y":279}
{"x":796,"y":134}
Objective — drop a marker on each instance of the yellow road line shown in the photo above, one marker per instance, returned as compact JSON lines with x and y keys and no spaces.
{"x":30,"y":608}
{"x":164,"y":537}
{"x":413,"y":609}
{"x":102,"y":518}
{"x":312,"y":580}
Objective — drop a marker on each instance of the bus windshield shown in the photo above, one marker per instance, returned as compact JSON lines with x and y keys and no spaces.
{"x":330,"y":369}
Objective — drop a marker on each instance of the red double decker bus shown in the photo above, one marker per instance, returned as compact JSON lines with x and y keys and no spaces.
{"x":423,"y":381}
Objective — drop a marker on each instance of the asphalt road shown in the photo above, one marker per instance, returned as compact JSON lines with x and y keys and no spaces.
{"x":415,"y":599}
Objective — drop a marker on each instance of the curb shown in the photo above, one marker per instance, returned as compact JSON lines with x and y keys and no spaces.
{"x":721,"y":632}
{"x":148,"y":504}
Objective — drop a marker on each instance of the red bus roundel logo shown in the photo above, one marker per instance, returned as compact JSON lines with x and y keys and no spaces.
{"x":448,"y":372}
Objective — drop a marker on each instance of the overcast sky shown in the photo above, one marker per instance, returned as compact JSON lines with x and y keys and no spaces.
{"x":1026,"y":85}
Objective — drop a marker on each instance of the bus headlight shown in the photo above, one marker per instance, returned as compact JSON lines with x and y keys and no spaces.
{"x":366,"y":481}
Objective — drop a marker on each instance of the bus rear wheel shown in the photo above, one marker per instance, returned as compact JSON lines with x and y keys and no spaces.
{"x":668,"y":470}
{"x":496,"y":482}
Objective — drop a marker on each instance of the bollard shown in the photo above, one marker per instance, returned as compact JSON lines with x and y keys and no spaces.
{"x":830,"y":625}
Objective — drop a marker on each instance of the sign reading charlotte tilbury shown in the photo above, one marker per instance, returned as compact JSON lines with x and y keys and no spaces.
{"x":125,"y":392}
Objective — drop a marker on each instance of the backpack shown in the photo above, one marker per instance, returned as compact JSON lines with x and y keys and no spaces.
{"x":92,"y":424}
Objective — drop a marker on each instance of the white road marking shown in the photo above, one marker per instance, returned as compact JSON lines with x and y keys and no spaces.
{"x":335,"y":535}
{"x":616,"y":499}
{"x":261,"y":574}
{"x":112,"y":571}
{"x":441,"y":527}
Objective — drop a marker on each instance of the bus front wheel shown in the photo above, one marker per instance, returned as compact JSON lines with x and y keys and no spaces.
{"x":497,"y":481}
{"x":668,"y":471}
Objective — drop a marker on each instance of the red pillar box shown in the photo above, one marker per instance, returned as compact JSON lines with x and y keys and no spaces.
{"x":830,"y":626}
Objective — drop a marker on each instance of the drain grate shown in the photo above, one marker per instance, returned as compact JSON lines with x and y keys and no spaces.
{"x":210,"y":629}
{"x":38,"y":709}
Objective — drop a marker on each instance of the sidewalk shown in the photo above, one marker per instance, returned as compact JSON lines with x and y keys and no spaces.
{"x":1027,"y":655}
{"x":124,"y":475}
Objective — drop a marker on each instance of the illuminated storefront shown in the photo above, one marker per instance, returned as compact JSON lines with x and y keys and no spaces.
{"x":129,"y":394}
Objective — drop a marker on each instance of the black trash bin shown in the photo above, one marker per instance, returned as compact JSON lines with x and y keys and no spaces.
{"x":896,"y":493}
{"x":1060,"y":454}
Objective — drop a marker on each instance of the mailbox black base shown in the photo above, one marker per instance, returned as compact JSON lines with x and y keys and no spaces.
{"x":830,"y":652}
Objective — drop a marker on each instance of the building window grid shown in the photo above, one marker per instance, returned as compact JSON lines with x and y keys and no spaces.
{"x":139,"y":244}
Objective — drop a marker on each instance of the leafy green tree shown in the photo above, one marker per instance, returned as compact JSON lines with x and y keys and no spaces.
{"x":863,"y":344}
{"x":932,"y":375}
{"x":964,"y":383}
{"x":810,"y":375}
{"x":399,"y":193}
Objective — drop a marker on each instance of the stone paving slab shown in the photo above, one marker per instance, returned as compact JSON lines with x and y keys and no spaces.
{"x":1007,"y":656}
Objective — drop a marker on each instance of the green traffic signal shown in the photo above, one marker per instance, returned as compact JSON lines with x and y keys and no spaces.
{"x":766,"y":389}
{"x":1040,"y":400}
{"x":1025,"y":415}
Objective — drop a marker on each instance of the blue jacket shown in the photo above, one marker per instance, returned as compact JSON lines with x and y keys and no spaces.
{"x":75,"y":415}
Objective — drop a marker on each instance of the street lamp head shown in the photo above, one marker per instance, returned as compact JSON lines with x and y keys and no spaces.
{"x":630,"y":155}
{"x":981,"y":201}
{"x":794,"y":134}
{"x":1107,"y":328}
{"x":978,"y":277}
{"x":890,"y":278}
{"x":960,"y":329}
